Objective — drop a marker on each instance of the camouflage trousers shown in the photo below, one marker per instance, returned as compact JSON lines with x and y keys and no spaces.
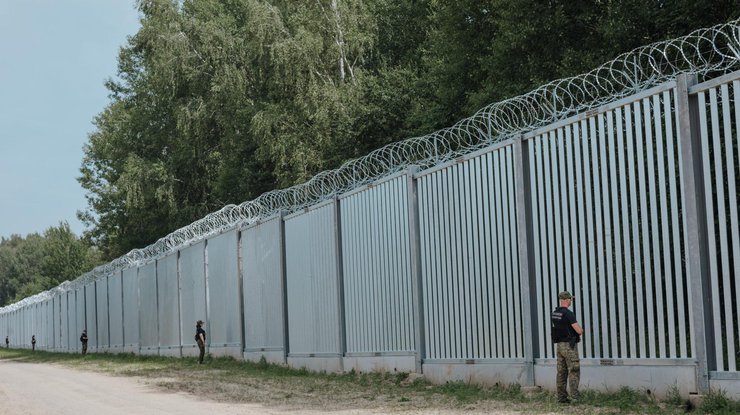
{"x":569,"y":370}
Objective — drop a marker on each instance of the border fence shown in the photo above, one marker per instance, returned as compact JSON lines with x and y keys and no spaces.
{"x":444,"y":254}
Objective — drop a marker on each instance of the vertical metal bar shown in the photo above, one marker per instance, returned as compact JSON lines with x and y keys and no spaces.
{"x":711,"y":237}
{"x":535,"y":155}
{"x":655,"y":280}
{"x":417,"y":292}
{"x":240,"y":288}
{"x":668,"y":313}
{"x":732,"y":191}
{"x":592,"y":306}
{"x":430,"y":275}
{"x":527,"y":277}
{"x":486,"y":294}
{"x":457,"y":334}
{"x":635,"y":263}
{"x":618,"y":172}
{"x":447,"y":303}
{"x":478,"y":255}
{"x":340,"y":278}
{"x":283,"y":284}
{"x":606,"y":137}
{"x":514,"y":257}
{"x":436,"y":224}
{"x":466,"y":244}
{"x":675,"y":230}
{"x":503,"y":251}
{"x":571,"y":142}
{"x":556,"y":151}
{"x":727,"y":245}
{"x":582,"y":241}
{"x":693,"y":193}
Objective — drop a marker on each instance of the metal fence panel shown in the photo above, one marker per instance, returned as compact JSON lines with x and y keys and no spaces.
{"x":148,"y":317}
{"x":469,"y":237}
{"x":263,"y":286}
{"x":101,"y":293}
{"x":91,"y":317}
{"x":612,"y":178}
{"x":192,"y":291}
{"x":115,"y":311}
{"x":377,"y":268}
{"x":719,"y":112}
{"x":312,"y":282}
{"x":222,"y":275}
{"x":168,"y":304}
{"x":130,"y":287}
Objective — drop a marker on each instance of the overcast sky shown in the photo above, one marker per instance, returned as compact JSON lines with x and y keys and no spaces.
{"x":55,"y":56}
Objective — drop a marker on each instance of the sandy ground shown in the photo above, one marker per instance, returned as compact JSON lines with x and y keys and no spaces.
{"x":35,"y":389}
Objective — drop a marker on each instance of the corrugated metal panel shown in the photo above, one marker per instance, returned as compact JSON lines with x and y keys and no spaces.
{"x":468,"y":244}
{"x":101,"y":292}
{"x":148,"y":320}
{"x":312,"y":282}
{"x":224,"y":308}
{"x":263,"y":286}
{"x":720,"y":140}
{"x":192,"y":290}
{"x":115,"y":310}
{"x":377,"y":268}
{"x":130,"y":286}
{"x":167,"y":302}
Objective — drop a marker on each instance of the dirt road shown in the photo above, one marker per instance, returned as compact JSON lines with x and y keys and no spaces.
{"x":35,"y":389}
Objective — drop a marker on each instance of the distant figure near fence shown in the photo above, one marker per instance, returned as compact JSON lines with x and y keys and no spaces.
{"x":7,"y":342}
{"x":83,"y":339}
{"x":200,"y":338}
{"x":33,"y":342}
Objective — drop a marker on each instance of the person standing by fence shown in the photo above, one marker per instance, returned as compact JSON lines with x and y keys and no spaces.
{"x":566,"y":334}
{"x":7,"y":342}
{"x":33,"y":342}
{"x":200,"y":338}
{"x":83,"y":339}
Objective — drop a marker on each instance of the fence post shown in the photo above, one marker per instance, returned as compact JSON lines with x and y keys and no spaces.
{"x":417,"y":293}
{"x":687,"y":109}
{"x":526,"y":250}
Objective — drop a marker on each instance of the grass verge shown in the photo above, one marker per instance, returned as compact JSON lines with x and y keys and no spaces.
{"x":229,"y":380}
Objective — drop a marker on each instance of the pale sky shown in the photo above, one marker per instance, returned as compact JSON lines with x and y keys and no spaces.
{"x":55,"y":56}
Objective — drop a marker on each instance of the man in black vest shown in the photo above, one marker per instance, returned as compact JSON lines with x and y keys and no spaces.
{"x":83,"y":339}
{"x":566,"y":333}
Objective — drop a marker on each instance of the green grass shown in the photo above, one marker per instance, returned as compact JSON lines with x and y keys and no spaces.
{"x":230,"y":380}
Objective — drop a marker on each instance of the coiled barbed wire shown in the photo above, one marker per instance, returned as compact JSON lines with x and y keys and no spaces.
{"x":709,"y":51}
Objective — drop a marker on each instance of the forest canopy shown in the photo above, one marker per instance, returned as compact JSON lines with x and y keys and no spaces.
{"x":218,"y":101}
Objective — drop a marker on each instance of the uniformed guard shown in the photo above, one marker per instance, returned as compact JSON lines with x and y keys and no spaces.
{"x":566,"y":334}
{"x":83,"y":339}
{"x":200,"y":338}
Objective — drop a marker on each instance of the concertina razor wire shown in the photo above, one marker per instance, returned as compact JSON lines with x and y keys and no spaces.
{"x":708,"y":51}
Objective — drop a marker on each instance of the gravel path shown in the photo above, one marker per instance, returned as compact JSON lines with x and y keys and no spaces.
{"x":36,"y":389}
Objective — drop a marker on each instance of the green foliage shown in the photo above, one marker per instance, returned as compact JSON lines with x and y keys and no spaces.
{"x":717,"y":402}
{"x":218,"y":101}
{"x":39,"y":262}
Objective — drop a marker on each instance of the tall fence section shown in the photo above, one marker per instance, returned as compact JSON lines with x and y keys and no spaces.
{"x":450,"y":264}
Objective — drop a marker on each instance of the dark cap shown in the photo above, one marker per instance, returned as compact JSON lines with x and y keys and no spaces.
{"x":565,"y":295}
